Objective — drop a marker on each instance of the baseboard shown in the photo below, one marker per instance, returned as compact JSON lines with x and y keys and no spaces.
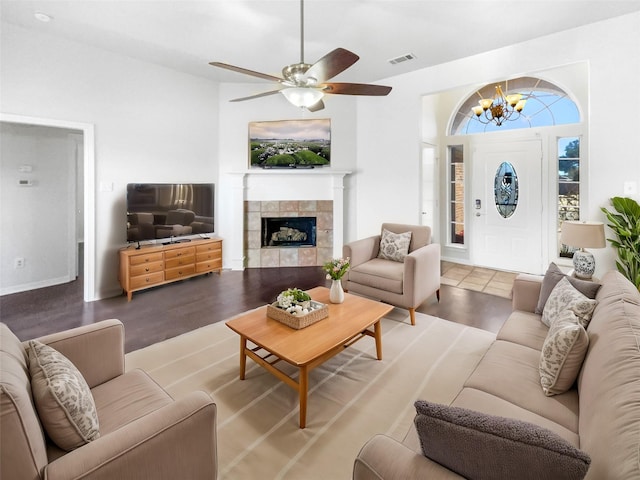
{"x":25,"y":287}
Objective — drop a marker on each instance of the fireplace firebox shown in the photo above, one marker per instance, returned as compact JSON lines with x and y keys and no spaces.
{"x":288,"y":232}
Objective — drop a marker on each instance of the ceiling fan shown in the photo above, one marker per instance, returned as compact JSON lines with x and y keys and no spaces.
{"x":304,"y":84}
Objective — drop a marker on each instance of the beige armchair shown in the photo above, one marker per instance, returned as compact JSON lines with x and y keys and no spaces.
{"x":143,"y":432}
{"x":404,"y":284}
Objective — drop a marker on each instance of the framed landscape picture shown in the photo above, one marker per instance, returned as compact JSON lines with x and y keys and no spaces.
{"x":290,"y":143}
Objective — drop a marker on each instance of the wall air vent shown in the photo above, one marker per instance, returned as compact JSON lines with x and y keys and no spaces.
{"x":402,"y":58}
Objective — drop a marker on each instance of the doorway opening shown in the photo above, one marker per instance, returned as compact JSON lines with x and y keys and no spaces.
{"x":80,"y":257}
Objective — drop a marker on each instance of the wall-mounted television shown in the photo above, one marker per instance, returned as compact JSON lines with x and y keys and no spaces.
{"x":169,"y":211}
{"x":290,"y":143}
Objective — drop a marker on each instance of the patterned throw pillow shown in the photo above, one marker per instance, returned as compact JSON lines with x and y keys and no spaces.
{"x":551,"y":279}
{"x":565,"y":297}
{"x":480,"y":446}
{"x":562,"y":354}
{"x":62,"y":397}
{"x":394,"y":246}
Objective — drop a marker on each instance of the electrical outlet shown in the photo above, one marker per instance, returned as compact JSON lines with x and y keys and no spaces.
{"x":18,"y":263}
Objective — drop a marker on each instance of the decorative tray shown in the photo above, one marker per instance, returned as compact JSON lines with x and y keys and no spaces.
{"x":298,"y":321}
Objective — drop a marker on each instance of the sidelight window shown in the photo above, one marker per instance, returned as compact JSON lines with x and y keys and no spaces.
{"x":456,"y":194}
{"x":568,"y":186}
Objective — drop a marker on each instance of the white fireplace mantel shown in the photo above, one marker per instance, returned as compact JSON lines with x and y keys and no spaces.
{"x":276,"y":184}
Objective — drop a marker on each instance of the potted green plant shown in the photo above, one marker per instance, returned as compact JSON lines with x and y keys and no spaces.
{"x":626,"y":225}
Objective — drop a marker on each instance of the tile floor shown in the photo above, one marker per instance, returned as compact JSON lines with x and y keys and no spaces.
{"x":479,"y":279}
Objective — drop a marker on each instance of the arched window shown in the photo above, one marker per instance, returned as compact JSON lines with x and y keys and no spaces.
{"x":547,"y":105}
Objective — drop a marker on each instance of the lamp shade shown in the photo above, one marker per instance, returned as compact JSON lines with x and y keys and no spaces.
{"x":302,"y":96}
{"x":583,"y":234}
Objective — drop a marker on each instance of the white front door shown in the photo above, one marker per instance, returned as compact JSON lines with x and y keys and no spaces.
{"x":507,"y":227}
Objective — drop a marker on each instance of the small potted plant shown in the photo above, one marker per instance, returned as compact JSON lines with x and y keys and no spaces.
{"x":294,"y":301}
{"x":335,"y":270}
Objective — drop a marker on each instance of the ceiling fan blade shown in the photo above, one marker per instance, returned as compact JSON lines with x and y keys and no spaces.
{"x":233,"y":68}
{"x":257,"y":95}
{"x":332,"y":64}
{"x":355,"y":89}
{"x":319,"y":105}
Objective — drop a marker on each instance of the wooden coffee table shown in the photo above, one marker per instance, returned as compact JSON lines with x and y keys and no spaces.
{"x":311,"y":346}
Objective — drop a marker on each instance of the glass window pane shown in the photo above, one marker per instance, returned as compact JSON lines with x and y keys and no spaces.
{"x":568,"y":187}
{"x":546,"y":105}
{"x":456,"y":194}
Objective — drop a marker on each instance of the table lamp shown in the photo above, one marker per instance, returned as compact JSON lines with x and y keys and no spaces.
{"x":583,"y":235}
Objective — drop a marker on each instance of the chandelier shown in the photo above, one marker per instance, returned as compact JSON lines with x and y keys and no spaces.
{"x":500,"y":108}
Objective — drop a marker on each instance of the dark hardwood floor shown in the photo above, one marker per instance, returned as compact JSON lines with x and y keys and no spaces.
{"x":167,"y":311}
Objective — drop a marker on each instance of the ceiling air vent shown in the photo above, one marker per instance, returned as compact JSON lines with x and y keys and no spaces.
{"x":402,"y":58}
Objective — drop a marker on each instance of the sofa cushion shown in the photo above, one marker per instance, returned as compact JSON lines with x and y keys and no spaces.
{"x":484,"y":402}
{"x":62,"y":397}
{"x":507,"y":364}
{"x":394,"y":246}
{"x":480,"y":446}
{"x":562,"y":354}
{"x":565,"y":296}
{"x":553,"y":276}
{"x":524,"y":328}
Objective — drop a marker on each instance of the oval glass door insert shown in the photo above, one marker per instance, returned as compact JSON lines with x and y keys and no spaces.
{"x":505,"y":189}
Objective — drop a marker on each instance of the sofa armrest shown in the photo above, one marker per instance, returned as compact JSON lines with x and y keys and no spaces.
{"x":385,"y":458}
{"x":526,"y":291}
{"x":176,"y":441}
{"x":422,"y":272}
{"x":97,"y":350}
{"x":361,"y":251}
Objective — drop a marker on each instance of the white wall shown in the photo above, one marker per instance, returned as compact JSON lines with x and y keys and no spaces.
{"x":152,"y":124}
{"x":389,"y":134}
{"x":156,"y":124}
{"x":37,"y":219}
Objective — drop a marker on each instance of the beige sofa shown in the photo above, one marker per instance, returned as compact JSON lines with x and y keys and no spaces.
{"x":143,"y":432}
{"x":600,"y":415}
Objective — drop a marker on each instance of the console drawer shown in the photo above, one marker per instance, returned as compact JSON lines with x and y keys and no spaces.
{"x":146,"y":268}
{"x":179,"y":261}
{"x":185,"y":271}
{"x":207,"y":266}
{"x":180,"y":252}
{"x":146,"y":280}
{"x":145,"y":258}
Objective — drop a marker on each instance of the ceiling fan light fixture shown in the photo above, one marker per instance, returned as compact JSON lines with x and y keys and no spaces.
{"x":302,"y":97}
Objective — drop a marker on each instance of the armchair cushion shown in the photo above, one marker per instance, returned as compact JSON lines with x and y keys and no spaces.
{"x":378,"y":273}
{"x":480,"y":446}
{"x":62,"y":397}
{"x":394,"y":246}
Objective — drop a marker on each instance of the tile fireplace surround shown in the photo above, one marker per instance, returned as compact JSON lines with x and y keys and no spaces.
{"x":257,"y":256}
{"x":297,"y":193}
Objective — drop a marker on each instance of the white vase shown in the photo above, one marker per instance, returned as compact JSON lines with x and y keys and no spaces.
{"x":336,"y":293}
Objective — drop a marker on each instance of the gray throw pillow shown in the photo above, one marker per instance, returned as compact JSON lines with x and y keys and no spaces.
{"x":553,"y":276}
{"x":394,"y":246}
{"x":480,"y":446}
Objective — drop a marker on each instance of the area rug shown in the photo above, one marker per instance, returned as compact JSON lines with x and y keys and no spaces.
{"x":351,"y":397}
